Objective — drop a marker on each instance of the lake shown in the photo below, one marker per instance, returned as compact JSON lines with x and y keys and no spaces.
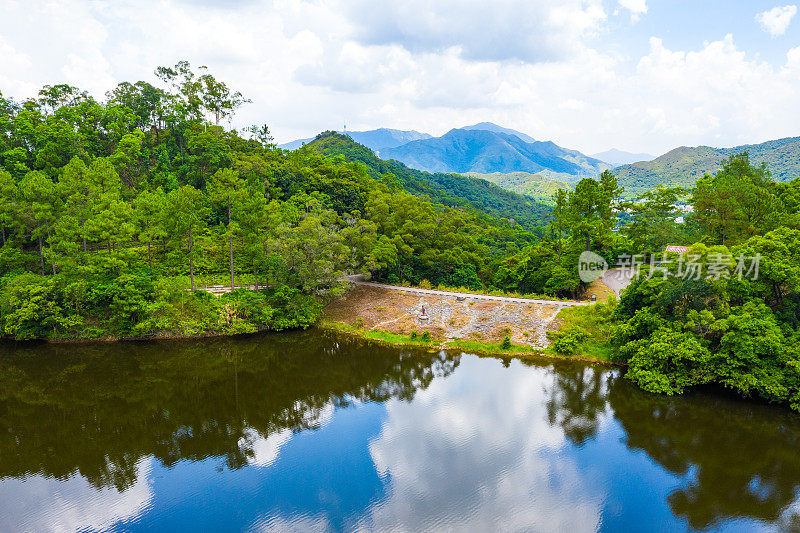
{"x":315,"y":431}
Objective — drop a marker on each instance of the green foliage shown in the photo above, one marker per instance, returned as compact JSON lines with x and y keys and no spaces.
{"x":568,"y":341}
{"x":736,"y":203}
{"x":676,"y":333}
{"x":668,"y":361}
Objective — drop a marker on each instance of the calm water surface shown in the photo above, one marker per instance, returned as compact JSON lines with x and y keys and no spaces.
{"x":312,"y":431}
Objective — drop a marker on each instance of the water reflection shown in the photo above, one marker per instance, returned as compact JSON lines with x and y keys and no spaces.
{"x":736,"y":459}
{"x":576,"y":399}
{"x":462,"y":459}
{"x":313,"y":431}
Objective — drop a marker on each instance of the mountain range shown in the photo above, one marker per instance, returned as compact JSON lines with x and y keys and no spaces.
{"x":484,"y":148}
{"x":684,"y":165}
{"x":479,"y":150}
{"x":517,"y":162}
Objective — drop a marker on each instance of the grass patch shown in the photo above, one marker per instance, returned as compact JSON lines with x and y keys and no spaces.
{"x":585,"y":331}
{"x":492,"y":347}
{"x":382,"y":336}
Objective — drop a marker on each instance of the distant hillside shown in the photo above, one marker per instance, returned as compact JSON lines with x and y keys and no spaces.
{"x":484,"y":151}
{"x":536,"y":186}
{"x":684,"y":165}
{"x":375,"y":140}
{"x":616,"y":157}
{"x":450,"y":189}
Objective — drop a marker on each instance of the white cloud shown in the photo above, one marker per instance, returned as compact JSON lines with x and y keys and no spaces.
{"x":40,"y":503}
{"x":542,"y":31}
{"x":461,"y":461}
{"x":636,"y":7}
{"x":776,"y":20}
{"x":311,"y":66}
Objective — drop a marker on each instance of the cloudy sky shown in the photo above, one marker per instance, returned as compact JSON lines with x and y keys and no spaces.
{"x":638,"y":75}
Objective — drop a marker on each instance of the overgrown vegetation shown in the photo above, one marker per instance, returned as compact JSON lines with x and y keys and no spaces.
{"x":584,"y":331}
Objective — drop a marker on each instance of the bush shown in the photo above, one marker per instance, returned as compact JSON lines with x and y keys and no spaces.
{"x":293,"y":309}
{"x":506,"y":344}
{"x":426,"y":336}
{"x":31,"y":307}
{"x":568,"y":342}
{"x":668,"y":362}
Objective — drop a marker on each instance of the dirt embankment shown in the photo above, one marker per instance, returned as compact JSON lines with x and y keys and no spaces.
{"x":448,"y":317}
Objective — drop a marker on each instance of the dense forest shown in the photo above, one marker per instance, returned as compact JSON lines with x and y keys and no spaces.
{"x":113,"y":212}
{"x":727,"y":311}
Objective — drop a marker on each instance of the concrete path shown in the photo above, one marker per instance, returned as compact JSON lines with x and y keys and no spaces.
{"x":469,"y":295}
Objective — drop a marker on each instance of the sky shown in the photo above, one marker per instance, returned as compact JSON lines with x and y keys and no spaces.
{"x":636,"y":75}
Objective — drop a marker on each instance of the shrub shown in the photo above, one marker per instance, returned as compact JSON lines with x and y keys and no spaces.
{"x":506,"y":344}
{"x":567,"y":342}
{"x":426,"y":336}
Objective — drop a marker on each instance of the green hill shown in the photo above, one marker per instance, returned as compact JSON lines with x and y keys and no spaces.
{"x":454,"y":190}
{"x":684,"y":165}
{"x":538,"y":186}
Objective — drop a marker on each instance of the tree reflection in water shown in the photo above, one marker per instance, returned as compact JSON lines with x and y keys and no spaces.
{"x":100,"y":412}
{"x":740,"y":459}
{"x":576,"y":399}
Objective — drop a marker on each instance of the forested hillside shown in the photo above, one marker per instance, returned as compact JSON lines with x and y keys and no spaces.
{"x":449,"y":189}
{"x":537,"y":186}
{"x":685,"y":165}
{"x":112,"y":211}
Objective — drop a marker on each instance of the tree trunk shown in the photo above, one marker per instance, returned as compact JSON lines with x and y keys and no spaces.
{"x":84,"y":236}
{"x":191,"y":257}
{"x":255,"y":271}
{"x":588,"y":242}
{"x":559,"y":242}
{"x":41,"y":254}
{"x":150,"y":254}
{"x":230,"y":240}
{"x":52,"y":260}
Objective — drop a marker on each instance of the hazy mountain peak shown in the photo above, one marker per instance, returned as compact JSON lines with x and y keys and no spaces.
{"x":616,"y":157}
{"x":490,"y":126}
